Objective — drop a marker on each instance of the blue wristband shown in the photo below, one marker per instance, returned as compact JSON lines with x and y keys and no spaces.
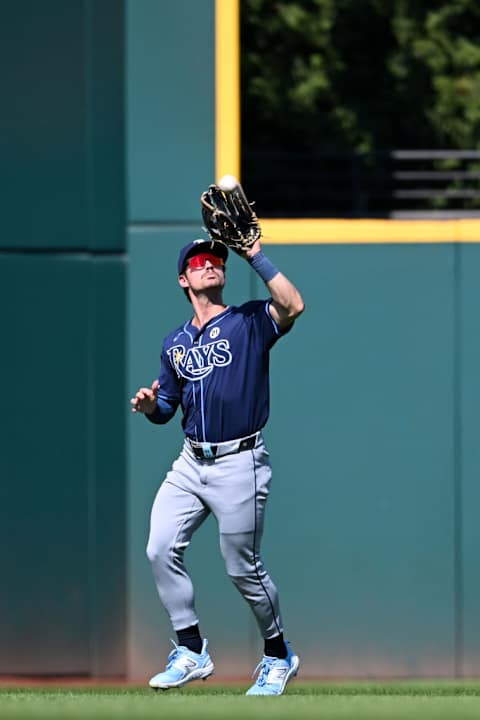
{"x":263,"y":266}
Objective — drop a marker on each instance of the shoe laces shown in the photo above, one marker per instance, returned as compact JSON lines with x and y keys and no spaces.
{"x":176,"y":654}
{"x":263,"y":669}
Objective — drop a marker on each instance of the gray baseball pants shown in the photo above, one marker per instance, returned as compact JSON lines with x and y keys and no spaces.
{"x":234,"y":488}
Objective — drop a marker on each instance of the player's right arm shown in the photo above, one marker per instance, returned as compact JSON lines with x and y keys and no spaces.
{"x":148,"y":401}
{"x":145,"y":399}
{"x":160,"y":401}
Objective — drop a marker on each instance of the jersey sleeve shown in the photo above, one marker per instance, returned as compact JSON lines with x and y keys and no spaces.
{"x":265,"y":325}
{"x":169,"y":393}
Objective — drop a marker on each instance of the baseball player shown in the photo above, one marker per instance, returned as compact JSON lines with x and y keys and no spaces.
{"x":216,"y":367}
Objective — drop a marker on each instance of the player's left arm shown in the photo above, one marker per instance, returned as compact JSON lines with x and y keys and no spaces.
{"x":287,"y":303}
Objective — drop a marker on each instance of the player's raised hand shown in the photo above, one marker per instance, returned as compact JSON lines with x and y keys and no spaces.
{"x":253,"y":250}
{"x":145,"y":400}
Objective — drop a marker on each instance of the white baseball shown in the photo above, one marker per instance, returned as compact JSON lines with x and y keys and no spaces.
{"x":227,"y":183}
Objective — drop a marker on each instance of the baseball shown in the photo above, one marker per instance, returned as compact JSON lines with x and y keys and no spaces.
{"x":227,"y":183}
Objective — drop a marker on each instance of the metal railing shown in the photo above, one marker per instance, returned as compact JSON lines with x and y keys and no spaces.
{"x":394,"y":183}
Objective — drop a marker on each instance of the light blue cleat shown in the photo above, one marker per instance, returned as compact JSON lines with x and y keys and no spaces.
{"x":183,"y":666}
{"x":274,"y":674}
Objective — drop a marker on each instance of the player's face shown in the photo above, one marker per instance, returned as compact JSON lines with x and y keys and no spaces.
{"x":205,"y":271}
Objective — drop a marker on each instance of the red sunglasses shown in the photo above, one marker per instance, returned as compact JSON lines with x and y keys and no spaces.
{"x":197,"y":262}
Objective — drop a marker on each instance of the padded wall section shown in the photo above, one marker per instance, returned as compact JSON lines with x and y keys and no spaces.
{"x":361,"y":532}
{"x":62,"y":506}
{"x":170,"y":109}
{"x":61,"y":126}
{"x":45,"y":602}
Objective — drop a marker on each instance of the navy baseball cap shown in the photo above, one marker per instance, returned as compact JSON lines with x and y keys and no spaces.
{"x":201,"y":246}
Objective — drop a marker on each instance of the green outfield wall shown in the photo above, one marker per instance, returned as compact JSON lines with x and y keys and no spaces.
{"x":373,"y":413}
{"x":62,"y":283}
{"x":371,"y":531}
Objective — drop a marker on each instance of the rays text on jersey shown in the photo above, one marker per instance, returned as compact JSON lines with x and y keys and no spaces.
{"x":197,"y":362}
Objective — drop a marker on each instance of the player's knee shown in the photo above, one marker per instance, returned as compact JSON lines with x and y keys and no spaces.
{"x":160,"y":551}
{"x":152,"y":553}
{"x":157,"y":552}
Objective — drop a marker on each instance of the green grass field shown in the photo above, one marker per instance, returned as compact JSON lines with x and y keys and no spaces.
{"x":327,"y":701}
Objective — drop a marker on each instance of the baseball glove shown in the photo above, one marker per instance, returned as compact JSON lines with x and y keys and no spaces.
{"x":228,"y":216}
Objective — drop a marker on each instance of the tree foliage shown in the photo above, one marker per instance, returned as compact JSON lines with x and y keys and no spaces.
{"x":361,"y":75}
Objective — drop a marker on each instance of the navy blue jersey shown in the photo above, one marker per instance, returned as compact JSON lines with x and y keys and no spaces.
{"x":219,"y":374}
